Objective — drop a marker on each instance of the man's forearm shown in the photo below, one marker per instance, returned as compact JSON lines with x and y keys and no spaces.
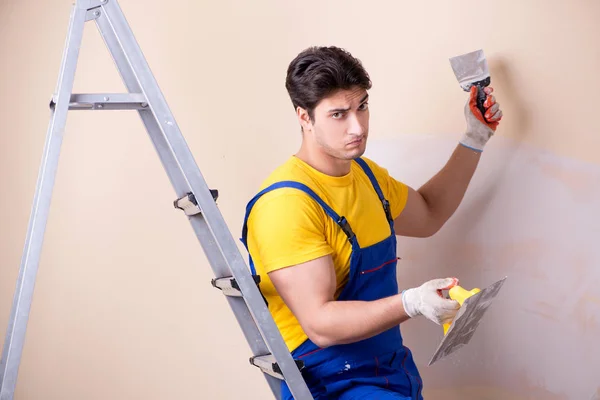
{"x":444,"y":192}
{"x":341,"y":322}
{"x":429,"y":207}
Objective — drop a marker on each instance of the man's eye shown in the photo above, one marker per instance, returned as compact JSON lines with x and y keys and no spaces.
{"x":336,"y":115}
{"x":364,"y":106}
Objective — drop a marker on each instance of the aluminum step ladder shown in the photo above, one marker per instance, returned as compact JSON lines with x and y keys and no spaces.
{"x":193,"y":197}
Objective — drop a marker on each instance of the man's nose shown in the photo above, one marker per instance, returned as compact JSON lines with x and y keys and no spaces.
{"x":356,"y":125}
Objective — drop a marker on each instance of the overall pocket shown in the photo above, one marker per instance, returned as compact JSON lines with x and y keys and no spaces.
{"x":388,"y":264}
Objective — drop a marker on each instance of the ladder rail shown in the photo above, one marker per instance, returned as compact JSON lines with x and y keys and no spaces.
{"x":209,"y":225}
{"x":23,"y":296}
{"x":105,"y":24}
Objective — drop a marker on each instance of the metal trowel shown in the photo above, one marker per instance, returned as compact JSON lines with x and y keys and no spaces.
{"x":471,"y":69}
{"x":473,"y":305}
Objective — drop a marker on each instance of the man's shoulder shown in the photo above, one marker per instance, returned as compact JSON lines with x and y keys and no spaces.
{"x":290,"y":170}
{"x":286,"y":207}
{"x":281,"y":172}
{"x":375,"y":166}
{"x":380,"y":172}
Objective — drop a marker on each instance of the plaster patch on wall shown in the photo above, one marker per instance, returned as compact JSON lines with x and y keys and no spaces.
{"x":544,"y":310}
{"x":534,"y":217}
{"x":592,"y":299}
{"x":586,"y":314}
{"x":577,"y":181}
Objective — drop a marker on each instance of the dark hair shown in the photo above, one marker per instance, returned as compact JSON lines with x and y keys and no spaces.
{"x":317,"y":72}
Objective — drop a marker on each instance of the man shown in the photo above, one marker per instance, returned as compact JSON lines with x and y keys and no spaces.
{"x":322,"y":235}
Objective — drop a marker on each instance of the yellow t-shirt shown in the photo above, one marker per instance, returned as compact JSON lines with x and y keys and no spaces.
{"x":286,"y":226}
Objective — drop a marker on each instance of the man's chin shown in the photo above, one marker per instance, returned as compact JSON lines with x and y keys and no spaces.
{"x":356,"y":153}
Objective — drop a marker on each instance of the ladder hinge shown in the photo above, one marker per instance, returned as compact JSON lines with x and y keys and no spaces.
{"x":90,"y":4}
{"x":189,"y":205}
{"x":269,"y":366}
{"x":229,"y":285}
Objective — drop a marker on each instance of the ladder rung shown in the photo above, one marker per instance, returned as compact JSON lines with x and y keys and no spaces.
{"x":105,"y":101}
{"x":229,"y":285}
{"x":269,"y":366}
{"x":189,"y":204}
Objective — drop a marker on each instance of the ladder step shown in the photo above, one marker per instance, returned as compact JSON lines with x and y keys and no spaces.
{"x":229,"y":285}
{"x":105,"y":101}
{"x":269,"y":366}
{"x":189,"y":204}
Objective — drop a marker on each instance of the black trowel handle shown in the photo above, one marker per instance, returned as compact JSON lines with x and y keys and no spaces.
{"x":481,"y":95}
{"x":480,"y":100}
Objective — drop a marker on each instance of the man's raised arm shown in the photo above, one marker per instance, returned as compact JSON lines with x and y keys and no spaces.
{"x":428,"y":208}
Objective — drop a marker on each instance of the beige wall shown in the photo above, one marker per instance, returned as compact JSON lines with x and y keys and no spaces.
{"x":123,"y":306}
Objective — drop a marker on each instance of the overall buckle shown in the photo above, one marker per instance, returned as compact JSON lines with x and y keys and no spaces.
{"x":343,"y":223}
{"x":387,"y":209}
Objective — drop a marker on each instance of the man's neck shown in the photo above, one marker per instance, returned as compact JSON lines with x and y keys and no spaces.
{"x":324,"y":163}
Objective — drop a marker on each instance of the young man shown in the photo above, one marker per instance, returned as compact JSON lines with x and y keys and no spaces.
{"x":322,"y":235}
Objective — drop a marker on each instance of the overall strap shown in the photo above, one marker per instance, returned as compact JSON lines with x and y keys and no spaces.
{"x":384,"y":201}
{"x":341,"y":221}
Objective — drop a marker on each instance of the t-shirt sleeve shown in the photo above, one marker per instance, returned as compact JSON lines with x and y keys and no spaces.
{"x":394,"y":190}
{"x":286,"y":227}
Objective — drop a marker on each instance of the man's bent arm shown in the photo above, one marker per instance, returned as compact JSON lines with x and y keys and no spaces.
{"x":308,"y":290}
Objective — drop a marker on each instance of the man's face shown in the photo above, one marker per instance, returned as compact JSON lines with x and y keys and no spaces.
{"x":341,"y":124}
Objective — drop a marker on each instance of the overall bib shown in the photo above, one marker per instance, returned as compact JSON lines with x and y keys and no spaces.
{"x":380,"y":367}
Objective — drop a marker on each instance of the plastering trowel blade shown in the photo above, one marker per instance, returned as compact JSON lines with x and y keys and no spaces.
{"x":471,"y":69}
{"x":466,"y":321}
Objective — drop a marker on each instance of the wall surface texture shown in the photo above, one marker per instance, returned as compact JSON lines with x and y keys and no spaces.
{"x":123,"y":307}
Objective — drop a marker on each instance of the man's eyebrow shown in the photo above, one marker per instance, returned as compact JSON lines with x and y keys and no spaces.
{"x":365,"y":98}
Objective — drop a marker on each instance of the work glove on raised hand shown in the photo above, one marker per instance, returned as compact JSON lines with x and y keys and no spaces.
{"x":427,"y":300}
{"x":479,"y":131}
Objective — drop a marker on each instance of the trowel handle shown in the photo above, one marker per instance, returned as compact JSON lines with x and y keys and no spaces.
{"x":480,"y":100}
{"x":460,"y":295}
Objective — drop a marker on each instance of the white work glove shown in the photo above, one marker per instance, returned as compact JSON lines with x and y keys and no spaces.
{"x":427,"y":300}
{"x":479,"y":131}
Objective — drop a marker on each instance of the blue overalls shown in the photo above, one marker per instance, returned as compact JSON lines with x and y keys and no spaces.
{"x":380,"y":367}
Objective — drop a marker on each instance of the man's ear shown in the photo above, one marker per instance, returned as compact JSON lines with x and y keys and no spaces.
{"x":304,"y":119}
